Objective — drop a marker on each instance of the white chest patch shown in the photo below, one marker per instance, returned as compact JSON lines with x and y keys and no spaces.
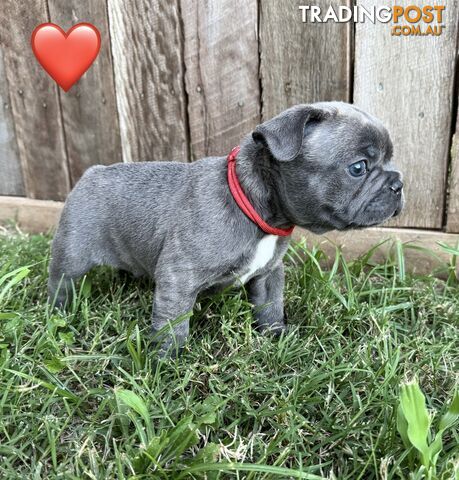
{"x":263,"y":254}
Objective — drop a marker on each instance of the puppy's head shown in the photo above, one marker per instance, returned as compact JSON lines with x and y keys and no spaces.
{"x":333,"y":165}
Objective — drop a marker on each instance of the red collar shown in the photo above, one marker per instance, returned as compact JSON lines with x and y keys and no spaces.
{"x":244,"y":203}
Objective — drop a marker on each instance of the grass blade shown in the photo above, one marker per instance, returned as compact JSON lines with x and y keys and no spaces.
{"x":413,"y":406}
{"x":133,"y":401}
{"x":446,"y":421}
{"x":17,"y":275}
{"x":282,"y":472}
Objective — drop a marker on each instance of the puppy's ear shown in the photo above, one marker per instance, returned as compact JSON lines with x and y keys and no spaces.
{"x":283,"y":135}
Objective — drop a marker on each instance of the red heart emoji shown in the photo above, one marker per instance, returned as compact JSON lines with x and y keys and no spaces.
{"x":66,"y":56}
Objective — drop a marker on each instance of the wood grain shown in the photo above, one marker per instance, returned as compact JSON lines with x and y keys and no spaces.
{"x":147,"y":48}
{"x":35,"y":103}
{"x":32,"y":216}
{"x":89,"y":108}
{"x":408,"y":83}
{"x":221,"y":59}
{"x":10,"y":169}
{"x":452,"y":219}
{"x":302,"y":62}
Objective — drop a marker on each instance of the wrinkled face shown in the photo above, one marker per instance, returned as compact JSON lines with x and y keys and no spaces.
{"x":346,"y":166}
{"x":342,"y":176}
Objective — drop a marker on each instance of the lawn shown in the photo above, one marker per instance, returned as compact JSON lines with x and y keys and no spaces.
{"x":83,"y":396}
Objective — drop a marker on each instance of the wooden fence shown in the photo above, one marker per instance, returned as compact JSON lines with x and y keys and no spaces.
{"x":182,"y":79}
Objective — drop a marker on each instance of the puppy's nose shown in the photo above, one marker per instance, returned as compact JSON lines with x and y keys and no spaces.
{"x":396,"y":186}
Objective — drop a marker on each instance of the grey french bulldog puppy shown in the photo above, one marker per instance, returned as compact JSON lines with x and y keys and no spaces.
{"x":322,"y":166}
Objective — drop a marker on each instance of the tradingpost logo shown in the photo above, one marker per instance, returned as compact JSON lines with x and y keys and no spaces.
{"x":406,"y":20}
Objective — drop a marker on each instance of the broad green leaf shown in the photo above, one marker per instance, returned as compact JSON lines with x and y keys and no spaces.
{"x":150,"y":455}
{"x":54,"y":365}
{"x":8,"y":315}
{"x":132,"y":400}
{"x":156,"y":446}
{"x":207,"y":419}
{"x":402,"y":427}
{"x":208,"y":409}
{"x":56,"y":321}
{"x":67,"y":337}
{"x":207,"y":454}
{"x":188,"y":439}
{"x":183,"y":436}
{"x":452,"y":414}
{"x":12,"y":326}
{"x":413,"y":405}
{"x":446,"y":421}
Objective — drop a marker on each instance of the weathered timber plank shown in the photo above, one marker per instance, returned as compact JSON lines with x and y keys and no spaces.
{"x":89,"y":108}
{"x":11,"y":182}
{"x":302,"y":62}
{"x":30,"y":215}
{"x":147,"y":48}
{"x":407,"y":81}
{"x":221,"y":59}
{"x":35,"y":103}
{"x":452,"y":219}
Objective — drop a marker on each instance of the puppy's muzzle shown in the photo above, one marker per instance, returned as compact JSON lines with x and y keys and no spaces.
{"x":396,"y":188}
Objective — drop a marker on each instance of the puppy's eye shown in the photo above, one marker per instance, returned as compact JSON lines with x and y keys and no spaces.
{"x":358,"y":169}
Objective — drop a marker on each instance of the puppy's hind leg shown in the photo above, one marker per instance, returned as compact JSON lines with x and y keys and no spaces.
{"x":64,"y":270}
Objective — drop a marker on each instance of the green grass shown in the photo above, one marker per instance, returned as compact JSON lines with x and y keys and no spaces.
{"x":82,"y":395}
